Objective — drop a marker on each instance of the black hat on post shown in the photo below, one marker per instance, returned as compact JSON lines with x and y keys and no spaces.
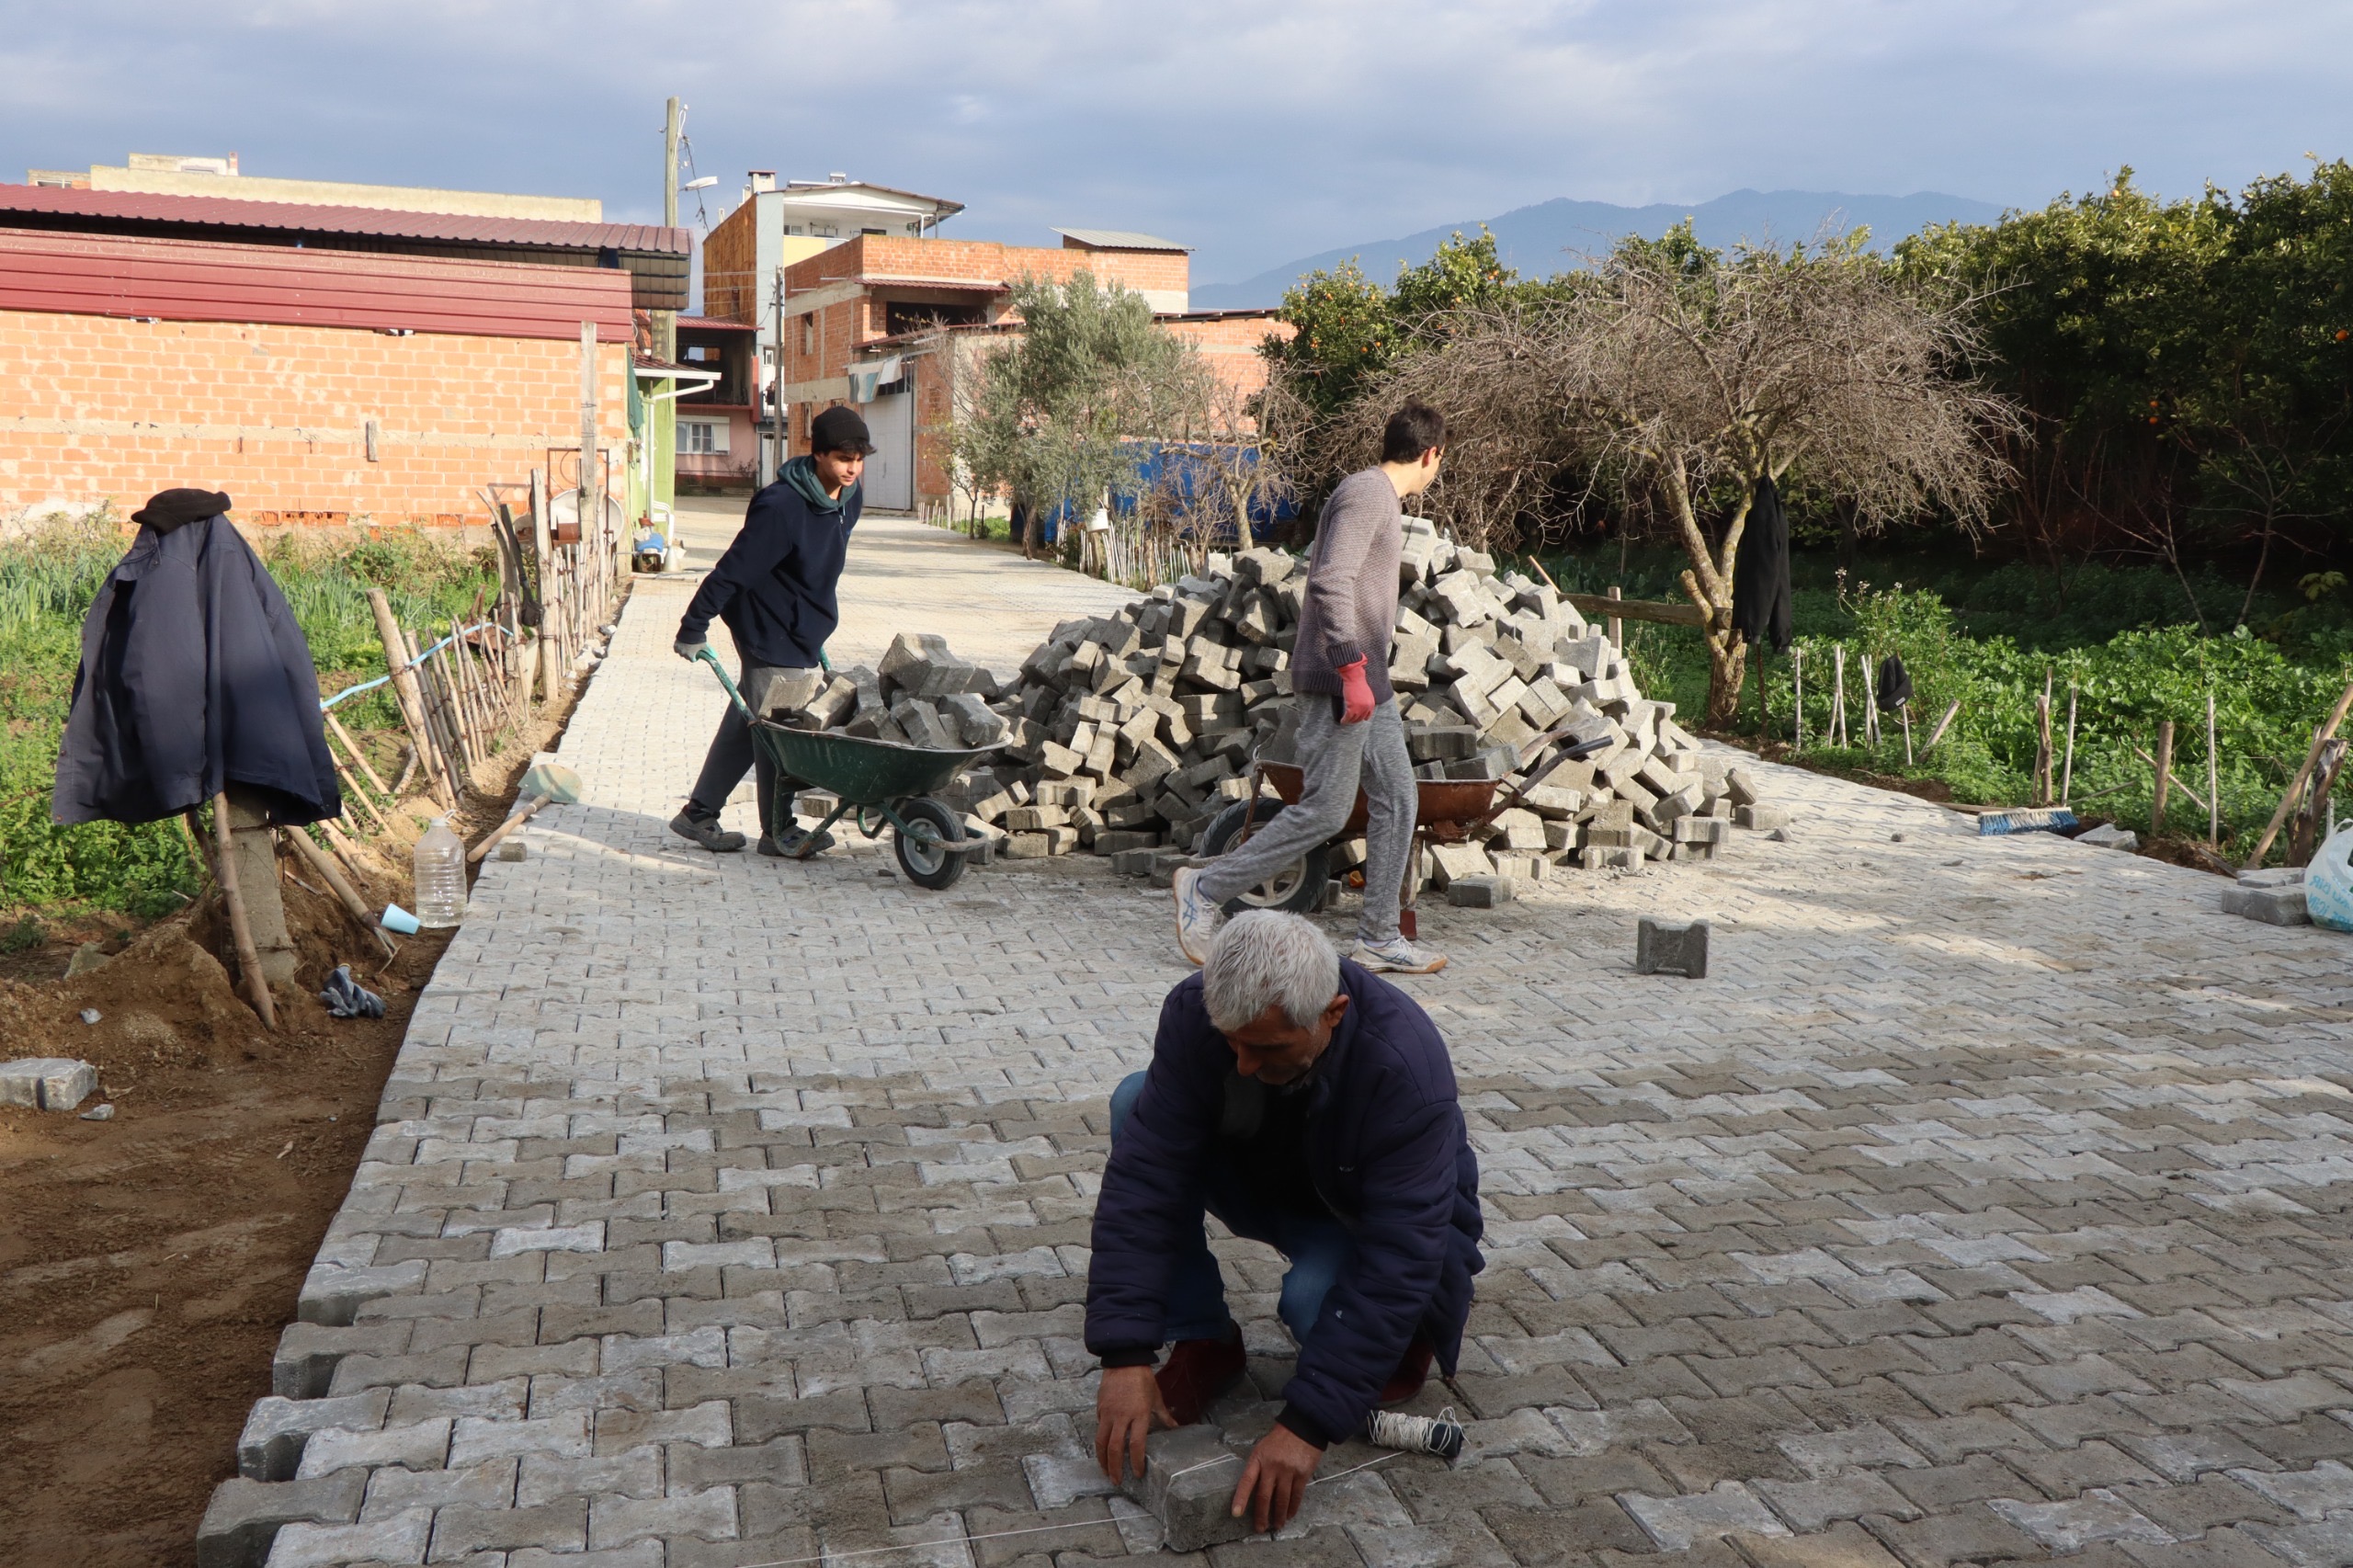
{"x":169,"y":509}
{"x":839,"y":430}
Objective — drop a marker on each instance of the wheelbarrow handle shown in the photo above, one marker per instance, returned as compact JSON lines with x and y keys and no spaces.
{"x":708,"y":657}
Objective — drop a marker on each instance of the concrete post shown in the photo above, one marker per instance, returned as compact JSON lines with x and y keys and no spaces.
{"x":253,"y":860}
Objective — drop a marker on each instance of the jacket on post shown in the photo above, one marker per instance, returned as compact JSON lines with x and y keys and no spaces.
{"x":193,"y":676}
{"x":1389,"y":1155}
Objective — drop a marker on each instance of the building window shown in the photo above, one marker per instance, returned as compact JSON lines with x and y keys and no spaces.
{"x":809,"y":334}
{"x":702,"y":437}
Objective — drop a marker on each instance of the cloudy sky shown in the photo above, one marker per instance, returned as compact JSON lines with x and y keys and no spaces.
{"x":1255,"y":129}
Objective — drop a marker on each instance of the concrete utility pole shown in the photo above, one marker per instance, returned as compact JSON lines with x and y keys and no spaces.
{"x":665,"y":323}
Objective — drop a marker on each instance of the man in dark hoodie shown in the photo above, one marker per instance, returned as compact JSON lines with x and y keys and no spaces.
{"x":1308,"y":1104}
{"x":775,"y":589}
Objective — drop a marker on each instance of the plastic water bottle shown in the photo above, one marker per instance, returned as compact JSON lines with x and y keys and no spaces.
{"x":440,"y":865}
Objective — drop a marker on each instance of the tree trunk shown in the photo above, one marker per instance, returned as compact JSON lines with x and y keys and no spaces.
{"x":1708,"y":583}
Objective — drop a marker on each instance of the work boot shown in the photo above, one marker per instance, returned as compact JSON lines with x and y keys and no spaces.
{"x":1198,"y":1371}
{"x":1412,"y":1371}
{"x":1396,"y":956}
{"x":1197,"y":918}
{"x":789,"y":846}
{"x":706,"y":831}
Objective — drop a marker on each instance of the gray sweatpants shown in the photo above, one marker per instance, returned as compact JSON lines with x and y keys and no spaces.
{"x":1337,"y":757}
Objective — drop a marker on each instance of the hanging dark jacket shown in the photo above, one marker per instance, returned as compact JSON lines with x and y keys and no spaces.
{"x":1760,"y":570}
{"x":775,"y":585}
{"x":1388,"y":1154}
{"x":193,"y":676}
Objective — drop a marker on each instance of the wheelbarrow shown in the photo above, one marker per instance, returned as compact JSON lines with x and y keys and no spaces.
{"x":886,"y":784}
{"x":1446,"y":811}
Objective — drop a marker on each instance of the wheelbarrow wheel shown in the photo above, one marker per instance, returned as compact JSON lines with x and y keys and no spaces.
{"x":922,"y":844}
{"x":1297,"y":888}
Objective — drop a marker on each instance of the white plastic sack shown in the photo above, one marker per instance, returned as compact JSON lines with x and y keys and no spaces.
{"x":2328,"y":882}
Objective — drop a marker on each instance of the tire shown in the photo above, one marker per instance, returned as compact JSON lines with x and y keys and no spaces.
{"x":923,"y":855}
{"x":1297,"y":888}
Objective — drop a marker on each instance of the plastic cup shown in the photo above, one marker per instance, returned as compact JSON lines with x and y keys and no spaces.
{"x":396,"y":918}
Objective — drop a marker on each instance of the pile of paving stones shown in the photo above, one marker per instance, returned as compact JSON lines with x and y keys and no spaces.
{"x":1129,"y":733}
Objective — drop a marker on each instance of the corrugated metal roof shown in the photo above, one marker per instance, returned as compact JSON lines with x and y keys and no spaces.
{"x":1121,"y":239}
{"x":202,"y":280}
{"x":221,"y":212}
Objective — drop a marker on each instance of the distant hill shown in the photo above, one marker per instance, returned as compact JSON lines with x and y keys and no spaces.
{"x":1553,"y":236}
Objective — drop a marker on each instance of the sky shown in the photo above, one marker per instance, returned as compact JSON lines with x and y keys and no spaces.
{"x":1255,"y":131}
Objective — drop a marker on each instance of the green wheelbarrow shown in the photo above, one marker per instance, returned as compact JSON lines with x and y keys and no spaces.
{"x":883,"y":783}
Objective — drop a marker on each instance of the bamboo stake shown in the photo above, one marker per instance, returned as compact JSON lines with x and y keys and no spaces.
{"x":357,"y":755}
{"x":2067,"y":772}
{"x":453,"y":688}
{"x":2321,"y":737}
{"x":346,"y":850}
{"x":2172,"y":783}
{"x":1842,"y":736}
{"x":2042,"y":750}
{"x":2163,"y":765}
{"x":1797,"y":698}
{"x":2214,"y":779}
{"x":1906,"y":710}
{"x":408,"y":695}
{"x":241,"y":931}
{"x":352,"y":790}
{"x":1939,"y":732}
{"x":348,"y":895}
{"x":436,"y":708}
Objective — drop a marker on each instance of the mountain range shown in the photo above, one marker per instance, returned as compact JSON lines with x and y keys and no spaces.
{"x":1557,"y":235}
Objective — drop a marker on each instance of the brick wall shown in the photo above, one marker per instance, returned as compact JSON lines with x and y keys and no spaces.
{"x":730,"y":290}
{"x":106,"y":408}
{"x":1229,"y":344}
{"x":885,"y":257}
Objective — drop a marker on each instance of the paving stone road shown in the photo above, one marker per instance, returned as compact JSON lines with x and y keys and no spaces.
{"x":1984,"y":1205}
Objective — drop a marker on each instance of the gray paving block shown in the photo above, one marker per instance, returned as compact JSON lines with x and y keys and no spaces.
{"x":1759,"y":817}
{"x":1676,"y":946}
{"x":270,"y":1447}
{"x":47,"y":1083}
{"x":1189,"y":1475}
{"x":2279,"y":905}
{"x":245,"y":1516}
{"x":1479,"y":892}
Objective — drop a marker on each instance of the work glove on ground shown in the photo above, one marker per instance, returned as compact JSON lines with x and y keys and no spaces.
{"x":346,"y":998}
{"x":1356,"y":694}
{"x":687,"y":650}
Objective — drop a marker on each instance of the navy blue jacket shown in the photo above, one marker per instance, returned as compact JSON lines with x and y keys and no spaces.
{"x":1388,"y":1154}
{"x":775,"y":585}
{"x":195,"y":675}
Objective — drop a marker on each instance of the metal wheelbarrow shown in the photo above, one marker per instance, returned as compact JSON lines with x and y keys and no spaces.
{"x":886,"y":784}
{"x":1446,"y":811}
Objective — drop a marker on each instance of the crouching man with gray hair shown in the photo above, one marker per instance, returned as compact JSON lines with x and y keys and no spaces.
{"x":1310,"y":1105}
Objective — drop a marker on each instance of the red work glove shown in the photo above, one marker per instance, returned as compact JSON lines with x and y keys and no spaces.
{"x":1356,"y":694}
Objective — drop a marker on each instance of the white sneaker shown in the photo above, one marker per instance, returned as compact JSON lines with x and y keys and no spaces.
{"x":1396,"y":956}
{"x":1197,"y":918}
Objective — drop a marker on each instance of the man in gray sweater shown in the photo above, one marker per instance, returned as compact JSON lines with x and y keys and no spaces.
{"x":1349,"y":731}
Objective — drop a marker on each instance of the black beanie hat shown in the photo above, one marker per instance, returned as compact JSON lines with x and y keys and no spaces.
{"x":839,"y":430}
{"x":168,"y":509}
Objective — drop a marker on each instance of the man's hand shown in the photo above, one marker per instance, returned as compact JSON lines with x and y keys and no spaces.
{"x":687,"y":650}
{"x":1356,"y":694}
{"x":1275,"y":1484}
{"x":1127,"y":1407}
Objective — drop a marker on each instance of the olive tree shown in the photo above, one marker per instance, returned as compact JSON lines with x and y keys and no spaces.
{"x":1679,"y":377}
{"x":1057,"y":414}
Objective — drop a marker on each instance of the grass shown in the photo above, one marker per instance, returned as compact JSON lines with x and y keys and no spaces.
{"x":1989,"y":636}
{"x":48,"y":579}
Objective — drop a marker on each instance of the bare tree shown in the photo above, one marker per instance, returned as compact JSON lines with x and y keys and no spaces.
{"x":1682,"y":376}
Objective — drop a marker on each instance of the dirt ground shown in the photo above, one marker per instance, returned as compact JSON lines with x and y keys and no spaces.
{"x":149,"y":1261}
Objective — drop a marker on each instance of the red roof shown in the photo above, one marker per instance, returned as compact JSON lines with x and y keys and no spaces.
{"x":223,"y":211}
{"x":205,"y":280}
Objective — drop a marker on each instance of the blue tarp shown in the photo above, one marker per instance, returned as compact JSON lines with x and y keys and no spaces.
{"x":1185,"y":469}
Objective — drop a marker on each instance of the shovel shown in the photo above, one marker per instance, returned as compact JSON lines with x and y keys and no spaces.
{"x":550,"y":782}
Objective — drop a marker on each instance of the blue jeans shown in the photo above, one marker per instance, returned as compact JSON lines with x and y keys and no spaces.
{"x":1317,"y":1247}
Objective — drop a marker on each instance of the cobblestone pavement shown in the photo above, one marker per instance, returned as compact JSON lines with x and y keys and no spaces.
{"x":1982,"y":1206}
